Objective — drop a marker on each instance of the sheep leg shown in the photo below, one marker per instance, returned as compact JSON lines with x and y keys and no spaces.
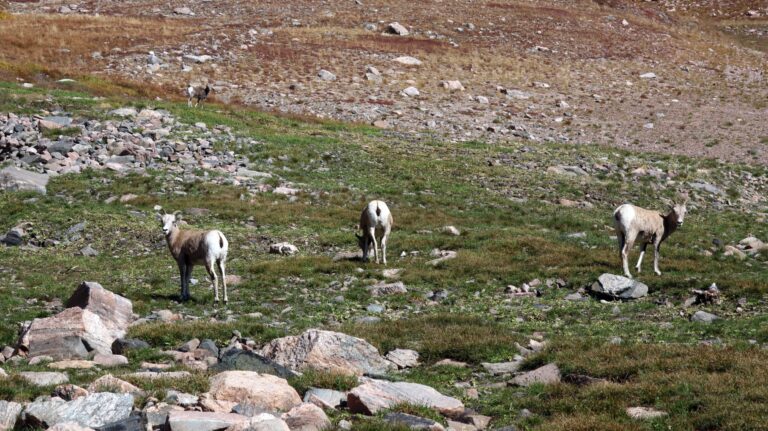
{"x":384,"y":239}
{"x":212,"y":273}
{"x":222,"y":268}
{"x":630,"y":240}
{"x":189,"y":102}
{"x":183,"y":278}
{"x":640,"y":259}
{"x":656,"y":258}
{"x":372,"y":233}
{"x":187,"y":281}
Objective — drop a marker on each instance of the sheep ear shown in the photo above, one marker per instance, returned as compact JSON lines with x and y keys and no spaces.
{"x":159,"y":216}
{"x":177,"y":214}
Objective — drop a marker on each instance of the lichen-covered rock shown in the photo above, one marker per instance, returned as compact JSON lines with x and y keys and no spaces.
{"x":376,"y":395}
{"x":327,"y":351}
{"x":247,"y":387}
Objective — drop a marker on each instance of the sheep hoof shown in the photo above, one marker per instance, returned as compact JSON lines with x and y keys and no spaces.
{"x":657,"y":272}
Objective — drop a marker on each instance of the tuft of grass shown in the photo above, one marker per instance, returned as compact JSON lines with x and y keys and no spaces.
{"x":435,"y":337}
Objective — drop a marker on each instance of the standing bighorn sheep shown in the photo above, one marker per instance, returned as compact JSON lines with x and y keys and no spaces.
{"x":196,"y":247}
{"x":651,"y":226}
{"x":376,"y":220}
{"x":197,"y":93}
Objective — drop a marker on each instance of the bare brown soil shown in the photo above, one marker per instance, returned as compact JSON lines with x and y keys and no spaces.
{"x":576,"y":65}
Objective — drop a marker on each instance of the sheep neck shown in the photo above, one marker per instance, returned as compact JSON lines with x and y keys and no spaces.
{"x":670,"y":224}
{"x":171,"y":236}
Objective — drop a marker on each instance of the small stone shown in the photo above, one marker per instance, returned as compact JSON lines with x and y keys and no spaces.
{"x":547,"y":374}
{"x":283,"y":248}
{"x":703,"y":317}
{"x":411,"y":92}
{"x":403,"y":358}
{"x":644,"y":413}
{"x":326,"y":75}
{"x":451,"y":230}
{"x":397,"y":28}
{"x":44,"y":378}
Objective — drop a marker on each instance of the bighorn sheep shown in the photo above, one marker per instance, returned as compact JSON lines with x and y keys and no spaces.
{"x":375,"y":218}
{"x":199,"y":93}
{"x":651,"y":226}
{"x":196,"y":247}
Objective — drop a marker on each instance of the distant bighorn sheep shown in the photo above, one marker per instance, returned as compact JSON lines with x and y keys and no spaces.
{"x":651,"y":226}
{"x":375,"y":219}
{"x":197,"y":93}
{"x":196,"y":247}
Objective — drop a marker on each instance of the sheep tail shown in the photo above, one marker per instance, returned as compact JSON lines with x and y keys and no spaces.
{"x":221,"y":241}
{"x":378,"y":211}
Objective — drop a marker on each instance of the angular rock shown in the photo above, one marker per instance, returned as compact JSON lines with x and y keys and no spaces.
{"x":73,"y":333}
{"x":181,"y":398}
{"x":44,"y":378}
{"x":306,"y":417}
{"x":442,"y":256}
{"x":500,"y":368}
{"x":110,"y":383}
{"x":408,"y":61}
{"x":202,"y":421}
{"x":547,"y":374}
{"x":375,"y":395}
{"x":325,"y":398}
{"x":114,"y":310}
{"x":619,"y":287}
{"x":69,"y":392}
{"x":326,"y":75}
{"x":17,"y":179}
{"x":644,"y":413}
{"x":109,"y":361}
{"x":9,"y":413}
{"x":246,"y":360}
{"x":703,"y":317}
{"x":157,"y":415}
{"x":264,"y":390}
{"x":71,"y":364}
{"x":411,"y":92}
{"x":94,"y":410}
{"x":380,"y":289}
{"x":327,"y":351}
{"x":451,"y":230}
{"x":403,"y":358}
{"x":413,"y":422}
{"x":452,"y":85}
{"x":397,"y":28}
{"x":283,"y":248}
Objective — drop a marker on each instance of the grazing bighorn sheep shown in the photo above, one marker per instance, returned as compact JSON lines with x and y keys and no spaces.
{"x":196,"y":247}
{"x":375,"y":218}
{"x":651,"y":226}
{"x":198,"y":93}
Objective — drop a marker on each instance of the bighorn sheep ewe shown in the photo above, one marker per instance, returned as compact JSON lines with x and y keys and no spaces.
{"x":196,"y":247}
{"x":651,"y":226}
{"x":198,"y":93}
{"x":375,"y":218}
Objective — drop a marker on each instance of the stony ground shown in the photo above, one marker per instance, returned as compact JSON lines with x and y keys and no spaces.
{"x":674,"y":77}
{"x":507,"y":304}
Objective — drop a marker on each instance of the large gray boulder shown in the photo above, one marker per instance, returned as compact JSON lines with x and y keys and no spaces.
{"x":619,"y":287}
{"x":9,"y":413}
{"x":44,"y":378}
{"x":375,"y":395}
{"x":115,"y":311}
{"x":548,"y":374}
{"x":246,"y":360}
{"x":73,"y":333}
{"x":94,"y":319}
{"x":327,"y":351}
{"x":16,"y":179}
{"x":247,"y":387}
{"x":94,"y":410}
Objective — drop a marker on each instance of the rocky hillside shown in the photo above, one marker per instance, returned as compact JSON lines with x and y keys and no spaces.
{"x":675,"y":77}
{"x":499,"y":308}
